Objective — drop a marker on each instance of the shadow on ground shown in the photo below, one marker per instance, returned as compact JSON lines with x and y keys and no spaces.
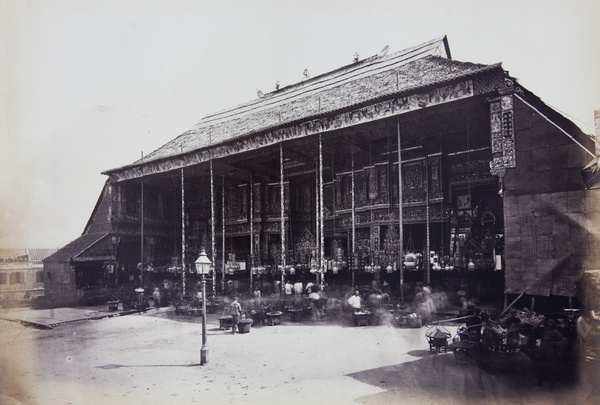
{"x":440,"y":378}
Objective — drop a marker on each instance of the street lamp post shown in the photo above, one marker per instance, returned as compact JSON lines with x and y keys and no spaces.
{"x":203,"y":265}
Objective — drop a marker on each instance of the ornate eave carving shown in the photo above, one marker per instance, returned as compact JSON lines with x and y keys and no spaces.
{"x":398,"y":105}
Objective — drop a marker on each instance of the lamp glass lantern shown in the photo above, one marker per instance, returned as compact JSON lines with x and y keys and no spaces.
{"x":203,"y":267}
{"x":203,"y":264}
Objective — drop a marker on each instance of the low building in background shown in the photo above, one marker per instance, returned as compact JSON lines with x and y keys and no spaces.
{"x":22,"y":275}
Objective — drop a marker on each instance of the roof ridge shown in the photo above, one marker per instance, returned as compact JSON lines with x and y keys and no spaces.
{"x":343,"y":71}
{"x":93,"y":243}
{"x":367,"y":67}
{"x":72,"y":244}
{"x":375,"y":78}
{"x":481,"y":67}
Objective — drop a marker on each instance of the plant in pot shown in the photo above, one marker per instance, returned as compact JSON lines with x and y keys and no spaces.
{"x":244,"y":324}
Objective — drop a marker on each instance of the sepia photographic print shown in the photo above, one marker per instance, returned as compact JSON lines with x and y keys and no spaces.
{"x":301,"y":202}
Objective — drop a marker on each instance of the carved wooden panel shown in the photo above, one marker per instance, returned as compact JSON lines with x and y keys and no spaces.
{"x":435,"y":177}
{"x":257,"y":196}
{"x":413,"y":182}
{"x":304,"y":248}
{"x":372,"y":182}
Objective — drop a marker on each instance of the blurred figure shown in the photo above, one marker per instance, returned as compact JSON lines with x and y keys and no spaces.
{"x":157,"y":296}
{"x":277,"y":286}
{"x":588,"y":336}
{"x":288,"y":288}
{"x":316,"y":306}
{"x":235,"y":310}
{"x":552,"y":351}
{"x":310,"y":286}
{"x":257,"y":300}
{"x":298,"y":288}
{"x":474,"y":324}
{"x":513,"y":326}
{"x":422,"y":304}
{"x":355,"y":301}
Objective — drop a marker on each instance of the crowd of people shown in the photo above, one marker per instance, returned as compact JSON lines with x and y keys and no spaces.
{"x":539,"y":347}
{"x":547,"y":346}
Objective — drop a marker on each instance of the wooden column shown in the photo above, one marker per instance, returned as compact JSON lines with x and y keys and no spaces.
{"x":142,"y":227}
{"x":354,"y":258}
{"x":400,"y":217}
{"x":251,"y":230}
{"x":282,"y":207}
{"x":183,"y":234}
{"x":223,"y":234}
{"x":322,"y":250}
{"x":212,"y":228}
{"x":317,"y":223}
{"x":427,"y":244}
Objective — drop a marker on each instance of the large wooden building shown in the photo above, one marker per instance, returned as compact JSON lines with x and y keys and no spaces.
{"x":400,"y":167}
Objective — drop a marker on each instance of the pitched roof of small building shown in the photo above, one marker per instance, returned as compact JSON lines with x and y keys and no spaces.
{"x":370,"y":79}
{"x":75,"y":248}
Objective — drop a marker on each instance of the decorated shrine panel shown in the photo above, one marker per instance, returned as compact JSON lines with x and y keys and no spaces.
{"x":273,"y":200}
{"x":236,"y":204}
{"x":257,"y":199}
{"x":302,"y":201}
{"x":435,"y":177}
{"x":363,"y":246}
{"x":273,"y":227}
{"x":464,"y":172}
{"x":328,"y":198}
{"x":502,"y":135}
{"x":383,"y":197}
{"x":305,"y":248}
{"x":413,"y":182}
{"x":391,"y":246}
{"x":374,"y":185}
{"x":238,"y":229}
{"x":413,"y":214}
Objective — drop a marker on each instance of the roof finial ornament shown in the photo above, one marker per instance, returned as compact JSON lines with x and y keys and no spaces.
{"x":355,"y":57}
{"x":259,"y":94}
{"x":277,"y":85}
{"x":306,"y":74}
{"x":384,"y":51}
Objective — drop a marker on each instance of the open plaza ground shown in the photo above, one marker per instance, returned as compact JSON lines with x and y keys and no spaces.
{"x":92,"y":356}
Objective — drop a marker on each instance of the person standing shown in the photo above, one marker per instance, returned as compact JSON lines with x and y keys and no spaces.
{"x":289,"y":288}
{"x":235,"y":310}
{"x":298,"y":288}
{"x":156,"y":296}
{"x":310,"y":287}
{"x":316,"y":306}
{"x":355,"y":301}
{"x":257,"y":300}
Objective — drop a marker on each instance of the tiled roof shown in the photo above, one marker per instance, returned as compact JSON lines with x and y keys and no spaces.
{"x":23,"y":254}
{"x":75,"y":248}
{"x":40,"y":254}
{"x":348,"y":86}
{"x":12,"y":254}
{"x":99,"y":222}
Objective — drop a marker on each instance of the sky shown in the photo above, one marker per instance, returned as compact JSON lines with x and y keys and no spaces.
{"x":90,"y":85}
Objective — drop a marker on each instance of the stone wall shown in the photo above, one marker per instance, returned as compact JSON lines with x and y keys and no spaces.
{"x":59,"y":285}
